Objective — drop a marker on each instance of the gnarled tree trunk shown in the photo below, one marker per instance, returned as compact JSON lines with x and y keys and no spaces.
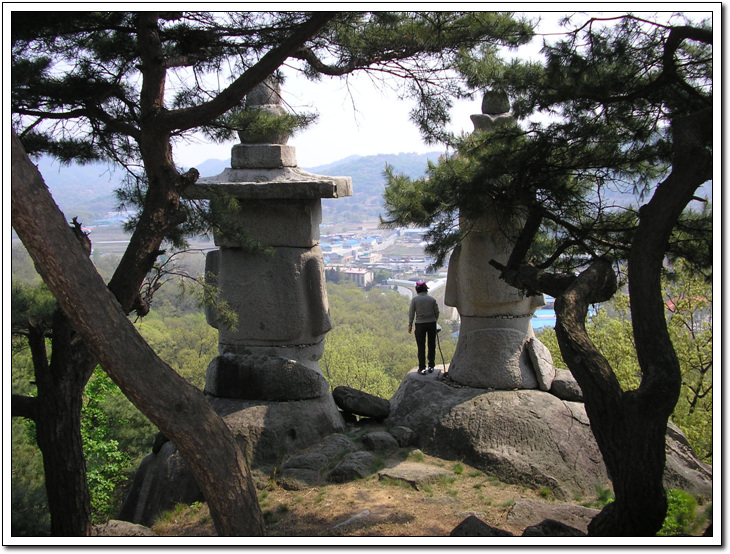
{"x":630,"y":427}
{"x":176,"y":407}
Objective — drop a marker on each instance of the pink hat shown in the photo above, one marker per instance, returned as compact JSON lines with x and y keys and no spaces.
{"x":421,"y":284}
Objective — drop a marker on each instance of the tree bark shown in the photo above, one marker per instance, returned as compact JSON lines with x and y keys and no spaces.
{"x":177,"y":408}
{"x":628,"y":433}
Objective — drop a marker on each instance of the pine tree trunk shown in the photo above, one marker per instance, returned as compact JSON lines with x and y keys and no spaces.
{"x":634,"y":453}
{"x":57,"y":416}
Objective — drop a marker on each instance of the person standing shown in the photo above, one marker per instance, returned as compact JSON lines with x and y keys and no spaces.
{"x":425,"y":310}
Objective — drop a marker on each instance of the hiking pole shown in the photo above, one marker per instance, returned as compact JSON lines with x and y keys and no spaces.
{"x":438,"y":341}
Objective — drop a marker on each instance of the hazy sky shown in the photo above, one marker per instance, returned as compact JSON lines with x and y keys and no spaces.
{"x":360,"y":117}
{"x":357,"y":116}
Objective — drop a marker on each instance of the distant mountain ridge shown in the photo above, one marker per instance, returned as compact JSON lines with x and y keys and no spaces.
{"x":87,"y":191}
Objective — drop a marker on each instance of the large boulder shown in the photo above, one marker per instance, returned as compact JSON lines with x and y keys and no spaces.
{"x":565,"y":386}
{"x":163,"y":480}
{"x":263,"y":430}
{"x":266,"y":430}
{"x":527,"y":437}
{"x":361,"y":403}
{"x":528,"y":513}
{"x":116,"y":528}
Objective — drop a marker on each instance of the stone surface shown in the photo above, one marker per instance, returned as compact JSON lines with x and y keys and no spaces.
{"x":263,"y":430}
{"x":266,"y":430}
{"x":315,"y":461}
{"x":526,"y":437}
{"x":263,"y":378}
{"x":552,"y":528}
{"x":354,"y":465}
{"x":289,"y":183}
{"x":336,"y":445}
{"x":472,"y":526}
{"x":116,"y":528}
{"x":285,"y":223}
{"x":492,"y":358}
{"x":475,"y":287}
{"x":485,"y":122}
{"x":415,"y":474}
{"x":542,"y":363}
{"x":297,"y":479}
{"x":161,"y":481}
{"x":565,"y":387}
{"x":380,"y":441}
{"x":495,"y":102}
{"x":252,"y":156}
{"x":526,"y":513}
{"x":248,"y":283}
{"x":683,"y":469}
{"x":403,"y":435}
{"x":361,"y":403}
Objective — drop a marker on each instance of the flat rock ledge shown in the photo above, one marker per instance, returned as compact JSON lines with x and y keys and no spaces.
{"x":413,"y":473}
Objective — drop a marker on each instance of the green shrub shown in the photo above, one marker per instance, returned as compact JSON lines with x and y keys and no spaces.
{"x":681,"y":514}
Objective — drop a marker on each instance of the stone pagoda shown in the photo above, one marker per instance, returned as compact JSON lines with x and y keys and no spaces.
{"x":497,"y":348}
{"x":271,"y":355}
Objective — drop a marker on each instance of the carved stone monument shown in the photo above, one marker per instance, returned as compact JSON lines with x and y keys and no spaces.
{"x":496,"y":347}
{"x":278,"y":292}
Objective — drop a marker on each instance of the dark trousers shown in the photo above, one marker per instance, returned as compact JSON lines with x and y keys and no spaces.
{"x":423,"y":331}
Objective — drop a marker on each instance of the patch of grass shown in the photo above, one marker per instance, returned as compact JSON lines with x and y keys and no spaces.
{"x":320,"y":496}
{"x":446,"y":479}
{"x":508,"y":503}
{"x":452,"y":492}
{"x":475,"y":474}
{"x":416,"y":455}
{"x":390,"y":482}
{"x":478,"y":486}
{"x":458,"y":468}
{"x":171,"y":516}
{"x":681,"y":514}
{"x":545,"y":493}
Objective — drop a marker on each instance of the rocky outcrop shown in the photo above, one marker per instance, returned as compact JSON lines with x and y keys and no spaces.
{"x":527,"y":513}
{"x":527,"y":437}
{"x":472,"y":526}
{"x":162,"y":480}
{"x":265,"y":430}
{"x":565,"y":387}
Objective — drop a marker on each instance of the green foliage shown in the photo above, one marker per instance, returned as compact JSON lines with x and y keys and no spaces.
{"x":681,"y":514}
{"x":30,"y":302}
{"x":105,"y":462}
{"x":186,"y":343}
{"x":259,"y":126}
{"x":606,"y":96}
{"x":29,"y":509}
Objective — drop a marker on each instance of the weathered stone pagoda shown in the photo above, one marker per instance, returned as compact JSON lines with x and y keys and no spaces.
{"x":497,"y":348}
{"x":270,"y":357}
